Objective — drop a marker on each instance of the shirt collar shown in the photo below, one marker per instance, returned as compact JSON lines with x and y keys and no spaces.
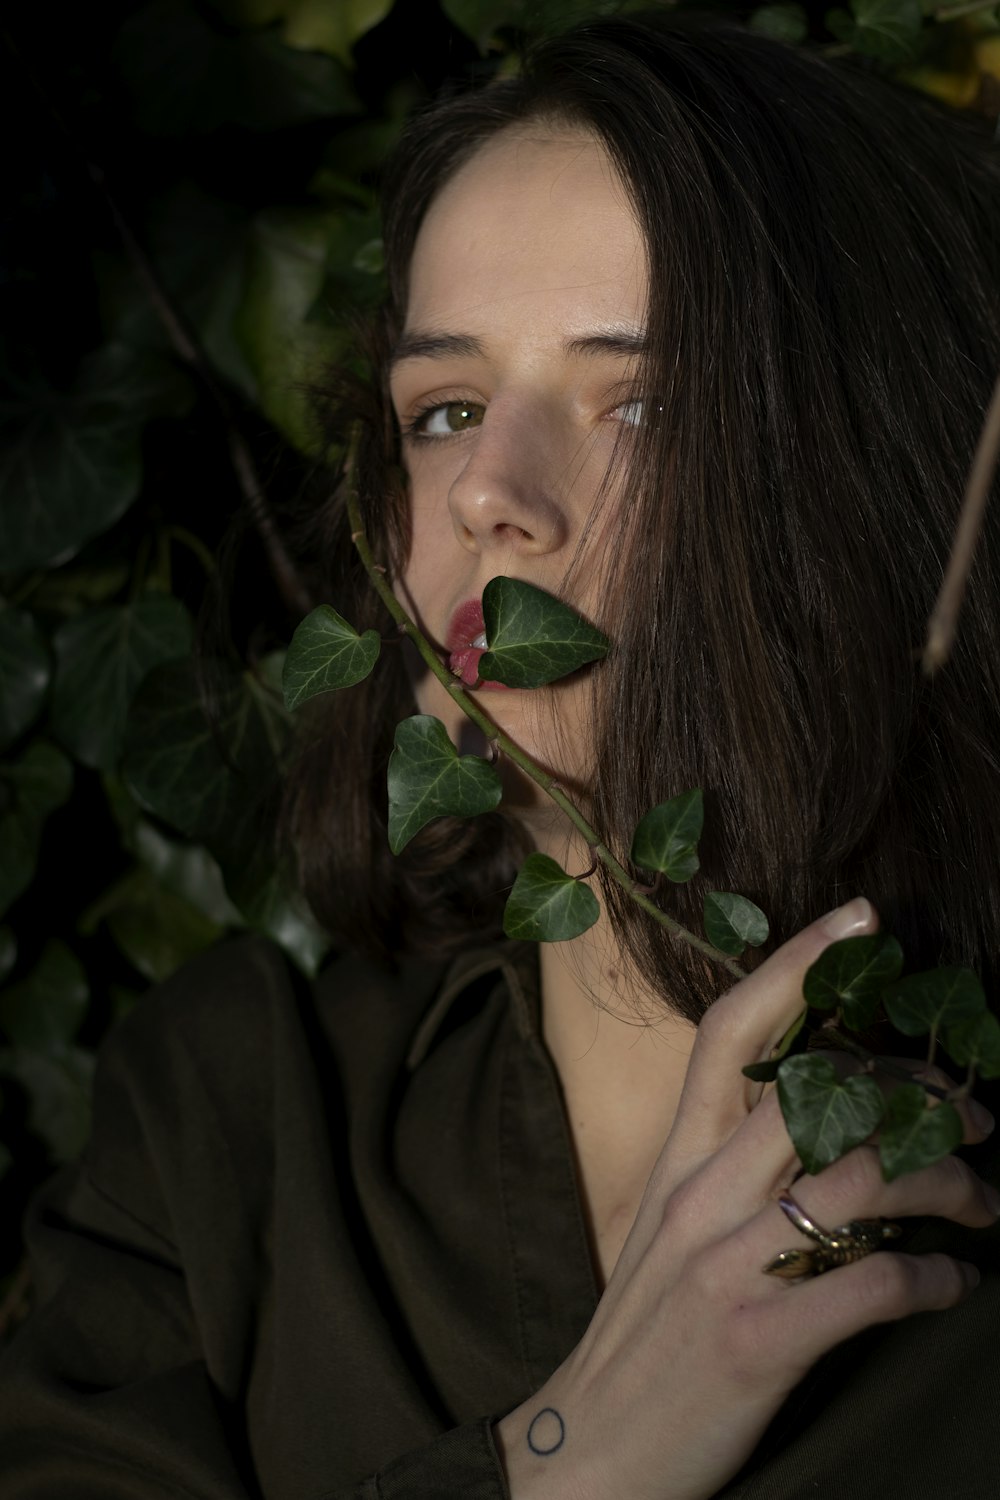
{"x":515,"y":963}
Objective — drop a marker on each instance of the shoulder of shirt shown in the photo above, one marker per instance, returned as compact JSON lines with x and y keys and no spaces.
{"x":237,"y":996}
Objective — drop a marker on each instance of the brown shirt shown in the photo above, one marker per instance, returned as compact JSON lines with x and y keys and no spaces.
{"x":325,"y":1234}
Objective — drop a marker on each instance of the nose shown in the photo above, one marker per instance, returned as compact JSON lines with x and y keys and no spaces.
{"x":503,"y":495}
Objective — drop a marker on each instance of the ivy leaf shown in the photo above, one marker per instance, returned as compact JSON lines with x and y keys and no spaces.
{"x":265,"y":900}
{"x":546,"y":905}
{"x":428,"y":779}
{"x":69,"y":467}
{"x":25,"y":669}
{"x":826,"y":1117}
{"x":733,"y":923}
{"x":326,"y":652}
{"x":187,"y":871}
{"x":286,"y":351}
{"x":198,"y":243}
{"x":101,"y":657}
{"x":667,"y":837}
{"x":479,"y":19}
{"x":30,"y":789}
{"x":533,"y":638}
{"x":925,"y":1002}
{"x":916,"y":1134}
{"x":44,"y":1011}
{"x":187,"y":77}
{"x":58,"y":1092}
{"x":174,"y":765}
{"x":975,"y":1043}
{"x":889,"y":30}
{"x":785,"y":23}
{"x":795,"y":1040}
{"x":850,"y":975}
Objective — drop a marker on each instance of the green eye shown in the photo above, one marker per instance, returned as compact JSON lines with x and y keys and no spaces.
{"x":449,"y":418}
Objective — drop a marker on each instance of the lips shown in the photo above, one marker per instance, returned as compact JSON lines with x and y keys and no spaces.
{"x":466,"y":642}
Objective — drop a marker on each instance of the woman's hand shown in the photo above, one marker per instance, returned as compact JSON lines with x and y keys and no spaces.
{"x":693,"y":1348}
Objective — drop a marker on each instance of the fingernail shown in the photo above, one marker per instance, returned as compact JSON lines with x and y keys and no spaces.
{"x":992,"y":1198}
{"x":847,"y":920}
{"x":983,"y":1121}
{"x":970,"y":1273}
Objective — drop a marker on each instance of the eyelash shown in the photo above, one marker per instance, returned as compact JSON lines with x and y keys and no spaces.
{"x":411,"y":428}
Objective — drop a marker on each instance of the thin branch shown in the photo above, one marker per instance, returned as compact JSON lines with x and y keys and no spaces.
{"x":17,"y":1303}
{"x":944,"y":617}
{"x":967,"y":8}
{"x":885,"y":1064}
{"x":289,"y":584}
{"x":472,"y":711}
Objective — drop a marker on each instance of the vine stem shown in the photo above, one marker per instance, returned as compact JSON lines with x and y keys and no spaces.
{"x":294,"y":593}
{"x":513,"y":752}
{"x":943,"y":621}
{"x":885,"y":1064}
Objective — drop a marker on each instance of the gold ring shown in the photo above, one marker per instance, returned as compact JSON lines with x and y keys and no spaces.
{"x":834,"y":1247}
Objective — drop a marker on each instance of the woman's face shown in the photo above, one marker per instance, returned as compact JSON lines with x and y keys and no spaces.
{"x":515,"y":374}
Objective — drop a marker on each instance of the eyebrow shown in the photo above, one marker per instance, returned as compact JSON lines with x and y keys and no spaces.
{"x":419,"y":345}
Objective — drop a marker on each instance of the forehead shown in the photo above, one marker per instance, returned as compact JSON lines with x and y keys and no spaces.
{"x":536,"y":223}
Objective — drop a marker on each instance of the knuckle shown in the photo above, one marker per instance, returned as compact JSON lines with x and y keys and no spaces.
{"x":859,"y":1177}
{"x":890,"y":1285}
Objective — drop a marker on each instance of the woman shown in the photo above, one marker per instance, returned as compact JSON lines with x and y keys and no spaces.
{"x":678,"y":329}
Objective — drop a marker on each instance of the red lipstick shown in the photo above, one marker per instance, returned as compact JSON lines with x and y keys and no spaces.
{"x":467,"y":626}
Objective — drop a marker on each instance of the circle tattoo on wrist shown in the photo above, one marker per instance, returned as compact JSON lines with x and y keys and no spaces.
{"x":547,"y":1432}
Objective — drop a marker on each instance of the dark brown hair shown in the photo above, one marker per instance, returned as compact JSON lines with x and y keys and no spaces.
{"x":824,"y":333}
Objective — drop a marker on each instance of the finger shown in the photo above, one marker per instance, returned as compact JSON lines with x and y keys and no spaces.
{"x":879,"y":1289}
{"x":853,"y":1188}
{"x":745,"y":1025}
{"x":977,"y":1121}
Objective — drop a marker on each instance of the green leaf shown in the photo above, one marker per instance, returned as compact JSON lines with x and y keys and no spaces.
{"x":850,"y":976}
{"x":270,"y":906}
{"x":428,"y":779}
{"x":785,"y":23}
{"x":174,"y":765}
{"x":825,"y":1117}
{"x":326,"y":652}
{"x":44,"y":1011}
{"x":733,"y":923}
{"x":69,"y":465}
{"x":199,"y":244}
{"x":667,"y":837}
{"x":25,"y":669}
{"x":533,"y":638}
{"x":286,"y":351}
{"x":915,"y":1133}
{"x":30,"y":789}
{"x":156,"y":930}
{"x":101,"y":657}
{"x":546,"y":905}
{"x":889,"y":30}
{"x":925,"y":1002}
{"x":331,"y":26}
{"x":58,"y":1090}
{"x":763,"y":1072}
{"x":976,"y":1043}
{"x":794,"y":1041}
{"x":479,"y":19}
{"x":187,"y":871}
{"x":187,"y":77}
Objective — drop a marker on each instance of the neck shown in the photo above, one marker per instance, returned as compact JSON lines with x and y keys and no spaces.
{"x":621,"y":1056}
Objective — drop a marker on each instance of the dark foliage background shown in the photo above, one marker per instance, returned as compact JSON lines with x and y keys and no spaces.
{"x":188,"y":223}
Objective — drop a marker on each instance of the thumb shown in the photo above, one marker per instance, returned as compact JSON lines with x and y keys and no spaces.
{"x":744,"y":1025}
